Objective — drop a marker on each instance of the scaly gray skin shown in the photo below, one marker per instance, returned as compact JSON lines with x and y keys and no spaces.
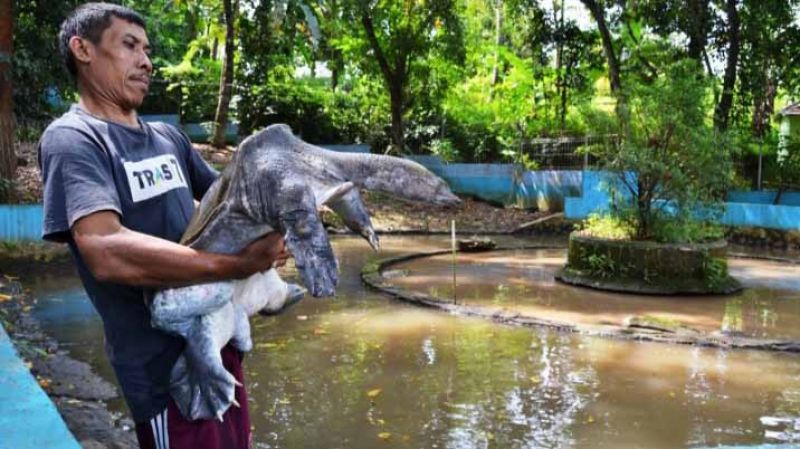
{"x":275,"y":182}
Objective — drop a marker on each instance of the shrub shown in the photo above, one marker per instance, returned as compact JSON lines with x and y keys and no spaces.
{"x":670,"y":164}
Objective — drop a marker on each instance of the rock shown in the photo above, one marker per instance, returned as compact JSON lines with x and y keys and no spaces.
{"x":394,"y":274}
{"x":73,"y":378}
{"x":657,"y":324}
{"x":91,"y":422}
{"x":476,"y":244}
{"x":220,"y":158}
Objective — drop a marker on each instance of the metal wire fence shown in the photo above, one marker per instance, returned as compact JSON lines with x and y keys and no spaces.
{"x":565,"y":153}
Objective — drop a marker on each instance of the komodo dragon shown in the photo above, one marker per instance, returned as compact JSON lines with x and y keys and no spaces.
{"x":275,"y":182}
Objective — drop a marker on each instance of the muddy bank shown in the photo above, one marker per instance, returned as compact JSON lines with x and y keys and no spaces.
{"x":77,"y":391}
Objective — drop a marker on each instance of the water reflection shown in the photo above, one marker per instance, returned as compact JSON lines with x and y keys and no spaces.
{"x":364,"y":371}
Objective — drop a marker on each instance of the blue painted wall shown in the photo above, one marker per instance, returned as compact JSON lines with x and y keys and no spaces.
{"x":21,"y":222}
{"x":503,"y":183}
{"x":743,"y":209}
{"x":546,"y":189}
{"x":507,"y":183}
{"x":28,"y":418}
{"x":764,"y":197}
{"x":201,"y":132}
{"x":491,"y":182}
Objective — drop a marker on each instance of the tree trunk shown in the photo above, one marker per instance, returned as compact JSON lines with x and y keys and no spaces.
{"x":563,"y":112}
{"x":698,"y":28}
{"x":763,"y":105}
{"x":498,"y":40}
{"x":334,"y":76}
{"x":729,"y":81}
{"x":191,"y":24}
{"x":560,"y":76}
{"x":397,"y":106}
{"x":226,"y":80}
{"x":8,"y":158}
{"x":608,"y":46}
{"x":598,"y":13}
{"x":395,"y":79}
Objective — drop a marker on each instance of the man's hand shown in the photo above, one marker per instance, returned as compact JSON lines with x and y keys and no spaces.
{"x":263,"y":254}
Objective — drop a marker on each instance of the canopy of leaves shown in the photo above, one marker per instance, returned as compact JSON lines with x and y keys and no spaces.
{"x":479,"y":78}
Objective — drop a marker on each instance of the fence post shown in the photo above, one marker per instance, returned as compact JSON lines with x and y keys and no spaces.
{"x":585,"y":153}
{"x":760,"y":157}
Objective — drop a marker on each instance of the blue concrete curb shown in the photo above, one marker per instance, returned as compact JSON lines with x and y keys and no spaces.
{"x":28,"y":418}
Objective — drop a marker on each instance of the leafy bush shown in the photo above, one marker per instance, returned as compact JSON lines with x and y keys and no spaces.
{"x":195,"y":81}
{"x":354,"y":114}
{"x":607,"y":227}
{"x":622,"y":226}
{"x":670,"y":163}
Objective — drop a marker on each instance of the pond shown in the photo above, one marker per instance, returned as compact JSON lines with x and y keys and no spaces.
{"x":365,"y":371}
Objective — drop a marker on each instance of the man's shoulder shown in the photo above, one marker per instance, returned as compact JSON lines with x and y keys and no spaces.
{"x":169,"y":130}
{"x":69,"y":120}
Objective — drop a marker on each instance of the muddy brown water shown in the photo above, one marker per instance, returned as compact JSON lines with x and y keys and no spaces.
{"x":365,"y":371}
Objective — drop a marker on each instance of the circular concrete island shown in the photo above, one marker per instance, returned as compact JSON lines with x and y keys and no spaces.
{"x":648,"y":267}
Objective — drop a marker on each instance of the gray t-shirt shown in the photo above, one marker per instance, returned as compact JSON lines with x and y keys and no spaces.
{"x":149,"y":176}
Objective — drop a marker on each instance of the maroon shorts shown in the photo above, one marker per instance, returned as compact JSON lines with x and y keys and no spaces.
{"x":169,"y":430}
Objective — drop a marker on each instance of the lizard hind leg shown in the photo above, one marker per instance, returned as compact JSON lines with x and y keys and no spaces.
{"x":211,"y":386}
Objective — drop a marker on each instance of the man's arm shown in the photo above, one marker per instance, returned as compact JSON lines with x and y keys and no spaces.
{"x":114,"y":253}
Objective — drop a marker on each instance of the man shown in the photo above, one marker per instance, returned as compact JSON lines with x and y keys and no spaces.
{"x":120,"y":193}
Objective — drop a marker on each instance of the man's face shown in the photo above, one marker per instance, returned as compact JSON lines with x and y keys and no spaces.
{"x":119,"y":66}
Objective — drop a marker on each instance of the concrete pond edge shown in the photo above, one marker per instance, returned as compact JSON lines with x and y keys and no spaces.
{"x":76,"y":390}
{"x":372,"y":276}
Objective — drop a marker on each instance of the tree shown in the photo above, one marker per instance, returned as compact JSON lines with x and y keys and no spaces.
{"x":670,"y":162}
{"x":407,"y":31}
{"x":768,"y":62}
{"x":8,"y":158}
{"x":226,"y":79}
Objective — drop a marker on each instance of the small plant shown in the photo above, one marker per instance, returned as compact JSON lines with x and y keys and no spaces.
{"x":601,"y":265}
{"x":715,"y":271}
{"x":607,"y":227}
{"x":686,"y":231}
{"x":444,"y":149}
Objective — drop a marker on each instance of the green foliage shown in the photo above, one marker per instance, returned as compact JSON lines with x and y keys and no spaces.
{"x":788,"y":162}
{"x":715,"y":271}
{"x":7,"y":190}
{"x":478,"y":78}
{"x":444,"y":149}
{"x":354,"y":114}
{"x":672,"y":230}
{"x":669,"y":162}
{"x":607,"y":227}
{"x":37,"y":66}
{"x":601,"y":265}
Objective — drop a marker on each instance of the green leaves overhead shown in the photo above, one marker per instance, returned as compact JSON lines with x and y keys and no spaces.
{"x":473,"y":78}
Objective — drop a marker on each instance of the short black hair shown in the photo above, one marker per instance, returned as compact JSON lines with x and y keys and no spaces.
{"x":88,"y":21}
